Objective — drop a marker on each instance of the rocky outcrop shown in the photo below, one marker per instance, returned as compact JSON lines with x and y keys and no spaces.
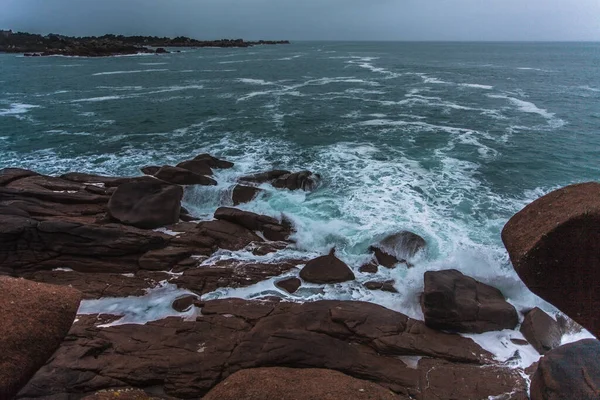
{"x":264,"y":177}
{"x":200,"y":167}
{"x":186,"y":359}
{"x":213,"y":162}
{"x":146,"y":205}
{"x":369,"y":268}
{"x":304,"y":180}
{"x":270,"y":227}
{"x":35,"y":319}
{"x":455,"y":302}
{"x":8,"y":175}
{"x":541,"y":330}
{"x":398,"y":248}
{"x":571,"y":371}
{"x":297,"y":384}
{"x":244,"y":194}
{"x":386,"y":286}
{"x":326,"y":269}
{"x":182,"y":176}
{"x":553,"y":246}
{"x":290,"y":285}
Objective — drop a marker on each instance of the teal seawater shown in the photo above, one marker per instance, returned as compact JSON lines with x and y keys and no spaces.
{"x":448,"y":140}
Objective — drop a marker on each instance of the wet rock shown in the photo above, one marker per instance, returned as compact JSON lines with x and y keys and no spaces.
{"x":290,"y":285}
{"x":455,"y":302}
{"x":326,"y":269}
{"x":270,"y":227}
{"x":161,"y":50}
{"x":227,"y":235}
{"x":164,"y":259}
{"x":244,"y":194}
{"x":8,"y":175}
{"x":398,"y":248}
{"x":35,"y":319}
{"x":146,"y":205}
{"x":183,"y":304}
{"x":571,"y":371}
{"x":262,"y":249}
{"x":297,"y":384}
{"x":369,"y":268}
{"x":264,"y":177}
{"x":386,"y":286}
{"x":150,"y":169}
{"x":213,"y":162}
{"x":181,"y":176}
{"x":107,"y":181}
{"x":304,"y":180}
{"x":553,"y":244}
{"x":541,"y":330}
{"x":200,"y":167}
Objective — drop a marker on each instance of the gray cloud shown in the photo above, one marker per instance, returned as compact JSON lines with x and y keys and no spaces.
{"x":312,"y":19}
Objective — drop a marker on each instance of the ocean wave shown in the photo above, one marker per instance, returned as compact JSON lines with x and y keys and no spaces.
{"x":531,"y":108}
{"x":17,"y":110}
{"x":129,"y":72}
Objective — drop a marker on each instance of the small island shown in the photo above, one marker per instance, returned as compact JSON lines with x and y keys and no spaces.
{"x":108,"y":45}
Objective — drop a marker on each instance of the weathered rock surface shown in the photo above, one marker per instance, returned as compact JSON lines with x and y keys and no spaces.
{"x":182,"y":176}
{"x":326,"y":269}
{"x":264,"y":177}
{"x":121,"y":394}
{"x":213,"y":162}
{"x":35,"y":319}
{"x":200,"y":167}
{"x":227,"y":235}
{"x":541,"y":330}
{"x":244,"y":194}
{"x":297,"y":384}
{"x":304,"y":180}
{"x":386,"y":286}
{"x":571,"y":371}
{"x":185,"y":359}
{"x":270,"y":227}
{"x":290,"y":285}
{"x":455,"y":302}
{"x":146,"y":205}
{"x":553,"y":245}
{"x":8,"y":175}
{"x":369,"y":268}
{"x":398,"y":248}
{"x":150,"y":169}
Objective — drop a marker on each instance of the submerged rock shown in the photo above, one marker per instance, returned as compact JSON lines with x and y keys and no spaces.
{"x":455,"y":302}
{"x":541,"y":330}
{"x":270,"y":227}
{"x":35,"y":319}
{"x":264,"y":177}
{"x":386,"y":286}
{"x":244,"y":194}
{"x":554,"y":245}
{"x":297,"y":384}
{"x":397,"y":248}
{"x":146,"y":205}
{"x":182,"y":176}
{"x":571,"y":371}
{"x":369,"y":268}
{"x":326,"y":269}
{"x":304,"y":180}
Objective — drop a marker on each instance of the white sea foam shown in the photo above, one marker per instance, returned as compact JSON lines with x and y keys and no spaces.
{"x":128,"y":72}
{"x":17,"y":110}
{"x":255,"y":81}
{"x":504,"y":350}
{"x":476,"y":86}
{"x":531,"y":108}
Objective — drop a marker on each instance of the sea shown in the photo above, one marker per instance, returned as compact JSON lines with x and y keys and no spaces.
{"x":447,"y":140}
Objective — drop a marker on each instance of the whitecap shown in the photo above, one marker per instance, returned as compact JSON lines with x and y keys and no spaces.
{"x":129,"y":72}
{"x":17,"y":110}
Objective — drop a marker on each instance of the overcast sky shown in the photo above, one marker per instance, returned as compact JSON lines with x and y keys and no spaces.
{"x":312,"y":19}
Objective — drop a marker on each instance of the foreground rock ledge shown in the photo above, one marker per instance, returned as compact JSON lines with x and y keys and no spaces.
{"x":35,"y":319}
{"x":554,"y":245}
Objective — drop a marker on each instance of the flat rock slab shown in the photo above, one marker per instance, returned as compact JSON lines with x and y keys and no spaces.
{"x":297,"y":384}
{"x":326,"y":269}
{"x":35,"y":319}
{"x":554,"y":245}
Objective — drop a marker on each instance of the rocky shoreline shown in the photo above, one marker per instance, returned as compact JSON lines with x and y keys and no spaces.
{"x":109,"y":45}
{"x":97,"y":237}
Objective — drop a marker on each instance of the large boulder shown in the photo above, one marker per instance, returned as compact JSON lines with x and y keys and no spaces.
{"x":455,"y":302}
{"x":554,"y":245}
{"x":398,"y":248}
{"x":571,"y":371}
{"x":270,"y":227}
{"x":146,"y":205}
{"x":8,"y":175}
{"x":541,"y":330}
{"x":304,"y":180}
{"x":35,"y":319}
{"x":213,"y":162}
{"x":326,"y":269}
{"x":200,"y":167}
{"x":263,"y":177}
{"x":244,"y":194}
{"x":297,"y":384}
{"x":290,"y":285}
{"x":182,"y":176}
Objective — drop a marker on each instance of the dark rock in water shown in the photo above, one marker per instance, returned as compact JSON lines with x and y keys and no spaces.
{"x":161,"y":50}
{"x":166,"y":258}
{"x":35,"y":319}
{"x":519,"y":342}
{"x":326,"y":269}
{"x":8,"y":175}
{"x":244,"y":194}
{"x":200,"y":167}
{"x":270,"y":227}
{"x":304,"y":180}
{"x":554,"y":244}
{"x":455,"y":302}
{"x":541,"y":330}
{"x":264,"y":177}
{"x":305,"y":384}
{"x":261,"y":249}
{"x":571,"y":371}
{"x":181,"y":176}
{"x":397,"y":248}
{"x":146,"y":205}
{"x":214,"y":162}
{"x":290,"y":285}
{"x":386,"y":286}
{"x":227,"y":235}
{"x":183,"y":304}
{"x":370,"y":267}
{"x":150,"y":169}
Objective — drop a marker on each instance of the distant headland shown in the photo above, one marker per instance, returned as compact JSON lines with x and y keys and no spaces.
{"x":107,"y":45}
